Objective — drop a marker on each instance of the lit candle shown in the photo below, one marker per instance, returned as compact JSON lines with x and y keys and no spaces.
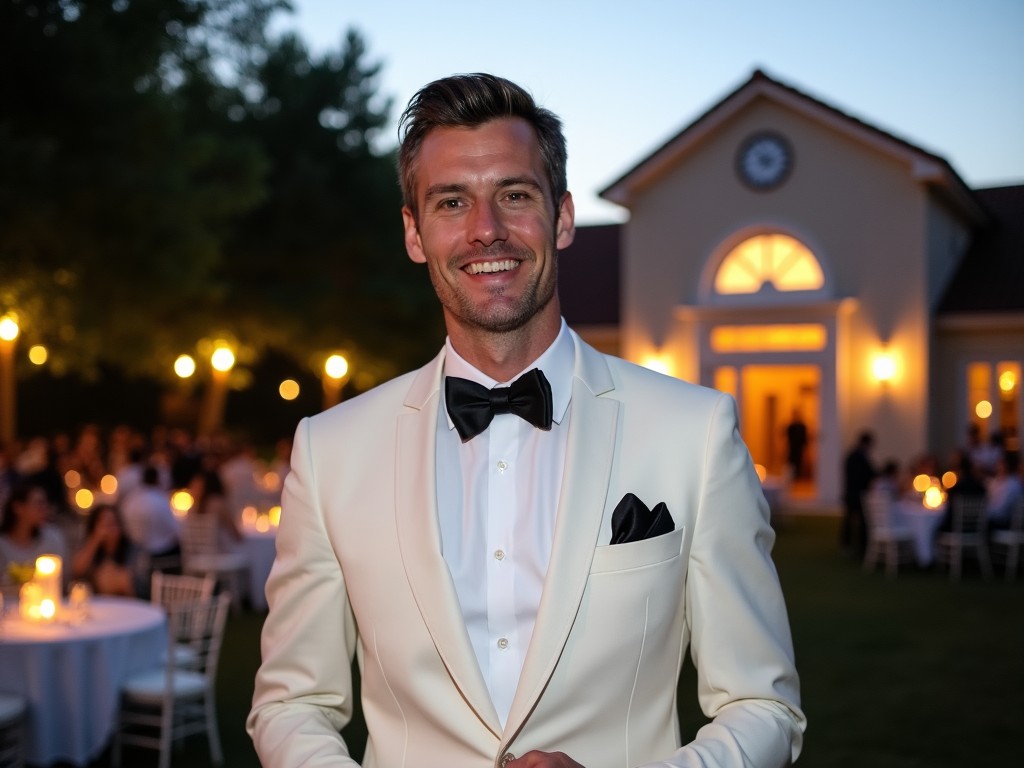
{"x":48,"y":577}
{"x":28,"y":601}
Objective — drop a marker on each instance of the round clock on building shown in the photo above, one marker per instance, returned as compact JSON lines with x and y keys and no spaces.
{"x":764,"y":160}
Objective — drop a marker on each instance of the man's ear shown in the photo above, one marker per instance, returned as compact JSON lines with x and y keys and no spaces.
{"x":413,"y":243}
{"x":565,"y":226}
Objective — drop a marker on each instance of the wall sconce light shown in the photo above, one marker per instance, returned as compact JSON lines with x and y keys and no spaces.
{"x":883,"y":367}
{"x":657,"y":363}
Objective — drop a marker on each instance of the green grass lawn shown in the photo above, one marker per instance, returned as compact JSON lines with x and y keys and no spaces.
{"x":916,"y":671}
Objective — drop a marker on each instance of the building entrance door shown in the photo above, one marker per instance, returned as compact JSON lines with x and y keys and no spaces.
{"x":780,"y":420}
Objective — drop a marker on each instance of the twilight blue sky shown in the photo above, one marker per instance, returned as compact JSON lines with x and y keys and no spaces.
{"x":625,"y":75}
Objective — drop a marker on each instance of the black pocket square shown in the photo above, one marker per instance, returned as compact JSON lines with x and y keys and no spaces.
{"x":633,"y":521}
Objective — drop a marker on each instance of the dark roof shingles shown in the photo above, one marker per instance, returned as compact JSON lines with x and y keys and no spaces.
{"x":990,"y":277}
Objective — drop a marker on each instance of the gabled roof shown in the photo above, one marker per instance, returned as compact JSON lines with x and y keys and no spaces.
{"x":926,"y":167}
{"x":990,"y":277}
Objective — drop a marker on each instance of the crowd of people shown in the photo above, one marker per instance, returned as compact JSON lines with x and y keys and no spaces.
{"x":123,"y":527}
{"x":983,"y":468}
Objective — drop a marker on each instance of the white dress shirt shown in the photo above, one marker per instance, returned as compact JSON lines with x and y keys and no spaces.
{"x":497,"y":495}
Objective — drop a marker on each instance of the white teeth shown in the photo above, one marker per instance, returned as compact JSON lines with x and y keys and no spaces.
{"x":492,"y":266}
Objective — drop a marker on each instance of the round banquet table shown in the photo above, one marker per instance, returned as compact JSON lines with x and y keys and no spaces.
{"x":71,"y":673}
{"x":922,"y":523}
{"x":259,"y":548}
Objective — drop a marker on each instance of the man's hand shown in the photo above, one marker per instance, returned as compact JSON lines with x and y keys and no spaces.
{"x":538,"y":759}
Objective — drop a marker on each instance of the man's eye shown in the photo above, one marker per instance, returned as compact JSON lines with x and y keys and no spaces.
{"x":518,"y":196}
{"x":450,"y":204}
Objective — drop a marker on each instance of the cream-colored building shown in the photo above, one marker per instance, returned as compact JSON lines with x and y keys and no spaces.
{"x":800,"y":259}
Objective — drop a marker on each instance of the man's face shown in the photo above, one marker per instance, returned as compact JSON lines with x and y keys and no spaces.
{"x":487,"y":227}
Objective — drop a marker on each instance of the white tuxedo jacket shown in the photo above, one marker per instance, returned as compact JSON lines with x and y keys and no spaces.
{"x":359,"y":569}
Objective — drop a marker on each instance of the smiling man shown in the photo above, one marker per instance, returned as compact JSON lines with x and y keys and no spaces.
{"x":520,"y":541}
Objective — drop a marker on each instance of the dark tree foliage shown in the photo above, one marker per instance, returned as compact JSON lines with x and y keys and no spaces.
{"x":169,"y":174}
{"x":331,"y":218}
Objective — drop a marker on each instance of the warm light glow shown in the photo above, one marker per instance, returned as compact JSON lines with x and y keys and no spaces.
{"x":38,"y":354}
{"x":983,"y":409}
{"x":249,"y":515}
{"x":46,"y":565}
{"x":949,"y":479}
{"x":184,"y":366}
{"x":762,"y":472}
{"x":275,"y":515}
{"x":656,"y":363}
{"x":336,"y":367}
{"x":727,"y":380}
{"x":9,"y":327}
{"x":43,"y":592}
{"x":922,"y":483}
{"x":108,"y":484}
{"x":272,"y":481}
{"x":883,"y":367}
{"x":222,"y":359}
{"x":288,"y":389}
{"x":769,"y":338}
{"x":47,"y":609}
{"x":1007,"y":381}
{"x":934,"y":497}
{"x":72,"y":479}
{"x":84,"y":498}
{"x":262,"y":524}
{"x":181,"y":503}
{"x":781,"y":260}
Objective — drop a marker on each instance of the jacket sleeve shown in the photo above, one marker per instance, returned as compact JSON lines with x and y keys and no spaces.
{"x":303,"y":692}
{"x":740,"y":639}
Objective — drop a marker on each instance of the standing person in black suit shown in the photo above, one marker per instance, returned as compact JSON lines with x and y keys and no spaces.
{"x":858,"y":473}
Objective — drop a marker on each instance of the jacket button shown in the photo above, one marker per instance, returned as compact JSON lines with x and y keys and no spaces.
{"x":507,"y":758}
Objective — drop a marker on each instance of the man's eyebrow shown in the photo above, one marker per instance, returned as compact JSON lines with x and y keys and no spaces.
{"x":514,"y":181}
{"x":436,"y":190}
{"x":443,"y":189}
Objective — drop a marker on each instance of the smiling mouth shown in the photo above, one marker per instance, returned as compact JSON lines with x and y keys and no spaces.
{"x":486,"y":267}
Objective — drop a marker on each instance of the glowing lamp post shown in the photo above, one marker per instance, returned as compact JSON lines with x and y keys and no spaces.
{"x":9,"y":331}
{"x":336,"y":371}
{"x":222,"y":361}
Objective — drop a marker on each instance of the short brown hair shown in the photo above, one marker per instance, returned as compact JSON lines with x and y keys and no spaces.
{"x":467,"y":101}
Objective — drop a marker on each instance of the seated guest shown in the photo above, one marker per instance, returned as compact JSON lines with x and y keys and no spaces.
{"x":107,"y":559}
{"x":149,"y":520}
{"x":26,"y":532}
{"x":888,"y":481}
{"x":968,"y":483}
{"x":1004,"y":492}
{"x":208,"y":491}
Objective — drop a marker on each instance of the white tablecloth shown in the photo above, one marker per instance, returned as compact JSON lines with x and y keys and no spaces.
{"x":71,"y":674}
{"x":259,"y":548}
{"x":922,"y":523}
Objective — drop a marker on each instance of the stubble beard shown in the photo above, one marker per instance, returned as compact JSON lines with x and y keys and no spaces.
{"x":496,"y":317}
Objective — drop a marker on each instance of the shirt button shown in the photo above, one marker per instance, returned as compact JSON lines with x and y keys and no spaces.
{"x":499,"y":554}
{"x":503,"y":643}
{"x":502,"y":465}
{"x":507,"y":758}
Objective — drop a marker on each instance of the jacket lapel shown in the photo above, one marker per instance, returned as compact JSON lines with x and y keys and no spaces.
{"x":589,"y":455}
{"x":419,"y":537}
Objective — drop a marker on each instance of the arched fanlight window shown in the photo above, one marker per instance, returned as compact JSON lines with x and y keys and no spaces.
{"x":780,"y":260}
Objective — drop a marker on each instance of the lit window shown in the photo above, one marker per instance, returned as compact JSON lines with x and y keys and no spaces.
{"x":781,"y":260}
{"x":727,"y":380}
{"x":804,"y":337}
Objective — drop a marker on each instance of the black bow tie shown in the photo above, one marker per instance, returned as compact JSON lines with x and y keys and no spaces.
{"x":471,"y":406}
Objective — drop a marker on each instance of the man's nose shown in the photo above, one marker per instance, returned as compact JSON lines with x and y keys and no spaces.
{"x":487,"y":223}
